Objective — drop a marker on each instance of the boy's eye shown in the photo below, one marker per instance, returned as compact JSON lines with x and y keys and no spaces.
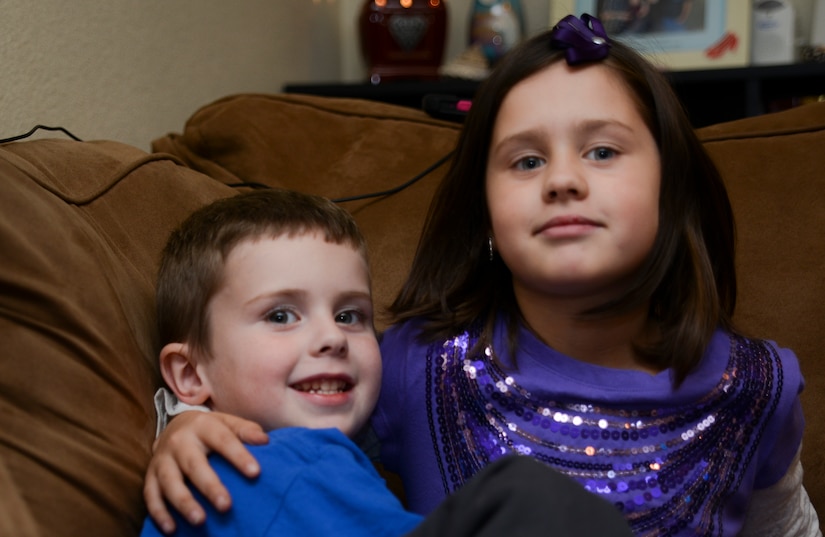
{"x":281,"y":317}
{"x":601,"y":153}
{"x":529,"y":163}
{"x":349,"y":317}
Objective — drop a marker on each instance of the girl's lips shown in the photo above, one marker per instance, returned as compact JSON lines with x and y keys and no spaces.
{"x":567,"y":226}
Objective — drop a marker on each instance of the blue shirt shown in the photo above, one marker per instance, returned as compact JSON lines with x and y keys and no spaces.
{"x":312,"y":482}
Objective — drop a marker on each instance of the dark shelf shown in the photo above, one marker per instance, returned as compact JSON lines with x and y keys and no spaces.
{"x":402,"y":92}
{"x":710,"y":96}
{"x":716,"y":95}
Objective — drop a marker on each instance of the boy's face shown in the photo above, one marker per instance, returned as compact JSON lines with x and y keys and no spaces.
{"x":292,"y":339}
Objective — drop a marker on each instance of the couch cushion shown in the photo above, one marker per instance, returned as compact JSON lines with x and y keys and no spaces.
{"x":330,"y":147}
{"x":773,"y":166}
{"x":81,"y":228}
{"x":15,"y":517}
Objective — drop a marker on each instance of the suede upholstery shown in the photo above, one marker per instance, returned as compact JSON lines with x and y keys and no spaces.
{"x":775,"y":174}
{"x":82,"y":225}
{"x":348,"y":147}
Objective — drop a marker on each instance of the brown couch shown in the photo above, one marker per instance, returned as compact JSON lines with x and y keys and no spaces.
{"x":81,"y":225}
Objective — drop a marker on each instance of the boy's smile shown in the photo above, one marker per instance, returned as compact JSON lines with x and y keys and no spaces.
{"x":292,"y":339}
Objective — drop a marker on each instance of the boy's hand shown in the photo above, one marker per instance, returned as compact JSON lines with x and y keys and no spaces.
{"x":180,"y":452}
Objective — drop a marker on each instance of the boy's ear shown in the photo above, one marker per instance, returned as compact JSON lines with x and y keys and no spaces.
{"x":180,"y":371}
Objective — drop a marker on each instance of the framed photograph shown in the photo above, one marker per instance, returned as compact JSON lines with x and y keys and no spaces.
{"x":675,"y":34}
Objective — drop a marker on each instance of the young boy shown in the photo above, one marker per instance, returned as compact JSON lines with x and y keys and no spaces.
{"x":265,"y":312}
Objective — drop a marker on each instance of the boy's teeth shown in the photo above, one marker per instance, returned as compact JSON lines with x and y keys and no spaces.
{"x":325,"y":386}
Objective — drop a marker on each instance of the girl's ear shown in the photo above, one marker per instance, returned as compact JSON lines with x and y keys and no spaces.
{"x":180,"y":371}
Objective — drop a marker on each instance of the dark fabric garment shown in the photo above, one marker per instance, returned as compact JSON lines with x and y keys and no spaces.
{"x":520,"y":497}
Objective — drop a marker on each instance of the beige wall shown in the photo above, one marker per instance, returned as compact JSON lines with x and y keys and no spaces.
{"x":133,"y":70}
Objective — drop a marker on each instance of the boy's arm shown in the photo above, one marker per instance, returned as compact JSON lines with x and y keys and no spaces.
{"x":180,"y":452}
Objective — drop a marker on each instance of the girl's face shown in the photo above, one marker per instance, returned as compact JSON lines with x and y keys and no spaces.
{"x":572,"y":185}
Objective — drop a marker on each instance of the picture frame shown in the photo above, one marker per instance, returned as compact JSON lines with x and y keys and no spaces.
{"x":713,"y":34}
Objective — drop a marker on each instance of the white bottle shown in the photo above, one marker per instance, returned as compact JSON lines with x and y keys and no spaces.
{"x":773,"y":32}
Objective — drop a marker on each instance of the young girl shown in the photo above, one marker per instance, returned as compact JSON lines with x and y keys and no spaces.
{"x":571,"y":300}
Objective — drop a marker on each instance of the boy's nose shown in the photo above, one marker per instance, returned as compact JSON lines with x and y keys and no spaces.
{"x":331,"y":341}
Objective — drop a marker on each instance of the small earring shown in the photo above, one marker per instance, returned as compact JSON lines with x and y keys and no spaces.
{"x":490,"y":246}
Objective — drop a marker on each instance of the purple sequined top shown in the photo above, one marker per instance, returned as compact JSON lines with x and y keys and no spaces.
{"x":675,"y":462}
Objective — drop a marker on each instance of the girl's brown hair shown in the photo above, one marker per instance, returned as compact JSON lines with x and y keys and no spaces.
{"x":688,"y":278}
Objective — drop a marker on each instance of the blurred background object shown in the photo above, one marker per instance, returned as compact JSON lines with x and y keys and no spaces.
{"x":773,"y":32}
{"x":495,"y":27}
{"x":403,"y":39}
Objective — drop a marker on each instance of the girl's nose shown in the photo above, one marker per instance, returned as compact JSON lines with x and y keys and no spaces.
{"x":564,"y":182}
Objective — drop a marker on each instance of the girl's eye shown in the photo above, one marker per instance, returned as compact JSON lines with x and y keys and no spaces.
{"x":350,"y":317}
{"x":529,"y":163}
{"x":281,"y":317}
{"x":601,"y":153}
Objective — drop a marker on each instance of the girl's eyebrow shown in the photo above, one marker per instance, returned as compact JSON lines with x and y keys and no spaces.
{"x":534,"y":135}
{"x":593,"y":125}
{"x":529,"y":136}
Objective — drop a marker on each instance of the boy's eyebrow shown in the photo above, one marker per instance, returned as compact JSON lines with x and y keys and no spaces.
{"x":287,"y":293}
{"x":300,"y":293}
{"x":363,"y":299}
{"x":357,"y":293}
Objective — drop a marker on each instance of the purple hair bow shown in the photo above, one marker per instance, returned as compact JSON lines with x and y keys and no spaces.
{"x":584,"y":40}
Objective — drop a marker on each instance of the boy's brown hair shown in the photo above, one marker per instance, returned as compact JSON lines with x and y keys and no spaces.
{"x":192,"y":263}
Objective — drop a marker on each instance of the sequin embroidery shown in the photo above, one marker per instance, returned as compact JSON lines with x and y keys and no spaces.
{"x":666,"y":469}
